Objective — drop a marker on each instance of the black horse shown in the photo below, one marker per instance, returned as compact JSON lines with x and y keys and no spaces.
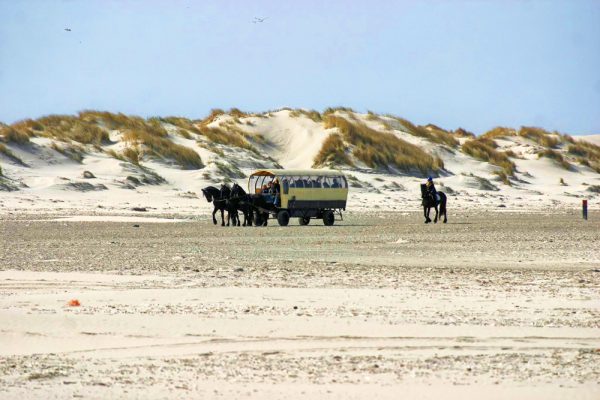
{"x":430,"y":202}
{"x":232,"y":212}
{"x":241,"y":201}
{"x":216,"y":196}
{"x":258,"y":206}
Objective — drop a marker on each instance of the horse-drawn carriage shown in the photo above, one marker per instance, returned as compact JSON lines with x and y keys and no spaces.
{"x":282,"y":194}
{"x":302,"y":194}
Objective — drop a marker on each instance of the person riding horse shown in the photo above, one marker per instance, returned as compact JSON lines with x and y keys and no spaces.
{"x":431,"y":190}
{"x":431,"y":198}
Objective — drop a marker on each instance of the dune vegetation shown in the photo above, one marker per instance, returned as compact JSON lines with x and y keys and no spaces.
{"x":431,"y":132}
{"x":333,"y":110}
{"x":586,"y":153}
{"x":10,"y":134}
{"x":10,"y":155}
{"x":538,"y":135}
{"x":161,"y":147}
{"x":375,"y":149}
{"x":184,"y":124}
{"x":482,"y":149}
{"x":147,"y":137}
{"x":499,"y":132}
{"x":227,"y":136}
{"x":360,"y":140}
{"x":463,"y":133}
{"x":312,"y":114}
{"x":556,"y":156}
{"x":332,"y":152}
{"x":73,"y":152}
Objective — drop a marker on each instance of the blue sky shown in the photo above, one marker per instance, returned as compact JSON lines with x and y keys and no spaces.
{"x":473,"y":64}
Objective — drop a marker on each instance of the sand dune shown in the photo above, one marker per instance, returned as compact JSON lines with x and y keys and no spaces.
{"x":49,"y":180}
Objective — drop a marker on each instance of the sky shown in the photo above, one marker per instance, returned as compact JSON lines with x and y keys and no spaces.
{"x":470,"y":64}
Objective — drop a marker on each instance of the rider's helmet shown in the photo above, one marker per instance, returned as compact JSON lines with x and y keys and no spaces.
{"x":430,"y":179}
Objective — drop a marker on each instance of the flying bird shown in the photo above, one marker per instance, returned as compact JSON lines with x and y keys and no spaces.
{"x":68,"y":29}
{"x":259,"y":20}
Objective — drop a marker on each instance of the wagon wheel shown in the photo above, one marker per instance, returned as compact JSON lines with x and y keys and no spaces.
{"x":304,"y":221}
{"x":328,"y":218}
{"x":283,"y":218}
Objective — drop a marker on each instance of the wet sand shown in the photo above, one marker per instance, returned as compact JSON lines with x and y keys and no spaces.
{"x":496,"y":305}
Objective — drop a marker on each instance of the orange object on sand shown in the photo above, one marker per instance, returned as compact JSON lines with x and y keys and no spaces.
{"x":74,"y":303}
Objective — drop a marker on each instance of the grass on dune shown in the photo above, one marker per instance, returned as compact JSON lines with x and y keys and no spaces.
{"x":10,"y":155}
{"x":75,"y":153}
{"x":463,"y":133}
{"x":186,"y":125}
{"x":540,"y":136}
{"x":17,"y":135}
{"x":535,"y":134}
{"x":162,"y":147}
{"x":132,"y":154}
{"x":482,"y":150}
{"x":68,"y":127}
{"x":376,"y":149}
{"x":311,"y":114}
{"x":214,"y":114}
{"x":556,"y":156}
{"x":226,"y":137}
{"x":122,"y":122}
{"x":90,"y":127}
{"x":333,"y":110}
{"x":432,"y":132}
{"x":499,"y":132}
{"x":332,"y":152}
{"x":587,"y":154}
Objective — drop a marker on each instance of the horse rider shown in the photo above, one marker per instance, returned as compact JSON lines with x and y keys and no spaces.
{"x":431,"y":189}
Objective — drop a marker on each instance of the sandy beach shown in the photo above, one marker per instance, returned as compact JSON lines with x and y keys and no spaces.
{"x":495,"y":304}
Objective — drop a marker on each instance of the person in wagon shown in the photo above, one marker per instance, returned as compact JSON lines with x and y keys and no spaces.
{"x":431,"y":189}
{"x":276,"y":190}
{"x":268,"y":191}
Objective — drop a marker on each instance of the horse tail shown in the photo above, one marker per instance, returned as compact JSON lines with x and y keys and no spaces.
{"x":443,"y":209}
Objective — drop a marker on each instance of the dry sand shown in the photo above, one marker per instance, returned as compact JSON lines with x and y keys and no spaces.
{"x":494,"y":305}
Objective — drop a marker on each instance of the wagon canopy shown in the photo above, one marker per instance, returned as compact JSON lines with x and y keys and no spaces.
{"x":300,"y":172}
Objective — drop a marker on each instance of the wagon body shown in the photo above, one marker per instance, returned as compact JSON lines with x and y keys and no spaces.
{"x":304,"y":194}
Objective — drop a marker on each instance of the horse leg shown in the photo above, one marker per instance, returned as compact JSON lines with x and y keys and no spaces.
{"x":436,"y":215}
{"x":426,"y":211}
{"x":445,"y":214}
{"x":250,"y":217}
{"x":213,"y":215}
{"x":222,"y":217}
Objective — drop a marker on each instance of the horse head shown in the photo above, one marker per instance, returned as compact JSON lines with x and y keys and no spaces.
{"x":225,"y":192}
{"x":207,"y":195}
{"x":424,"y":191}
{"x":237,"y":191}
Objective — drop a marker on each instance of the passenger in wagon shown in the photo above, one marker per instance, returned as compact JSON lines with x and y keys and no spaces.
{"x":276,"y":190}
